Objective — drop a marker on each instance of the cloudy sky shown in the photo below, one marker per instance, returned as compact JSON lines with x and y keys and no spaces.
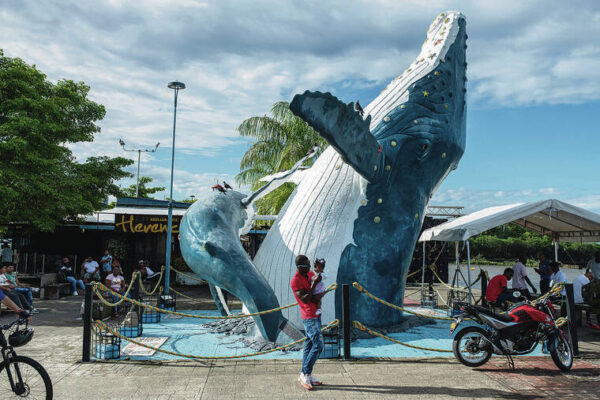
{"x":534,"y":80}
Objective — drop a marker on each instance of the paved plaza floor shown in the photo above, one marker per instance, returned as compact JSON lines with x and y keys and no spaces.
{"x":57,"y":345}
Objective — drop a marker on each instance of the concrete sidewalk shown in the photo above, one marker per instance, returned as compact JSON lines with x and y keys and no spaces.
{"x":57,"y":346}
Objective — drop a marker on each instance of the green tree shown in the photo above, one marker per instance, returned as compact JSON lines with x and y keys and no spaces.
{"x":41,"y":183}
{"x":144,"y":191}
{"x":281,"y":140}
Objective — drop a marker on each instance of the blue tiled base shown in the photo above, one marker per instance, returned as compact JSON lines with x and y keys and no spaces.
{"x":131,"y":331}
{"x":150,"y":318}
{"x":330,"y":351}
{"x":107,"y":351}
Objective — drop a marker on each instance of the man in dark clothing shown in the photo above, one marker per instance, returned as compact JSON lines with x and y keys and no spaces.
{"x":544,"y":271}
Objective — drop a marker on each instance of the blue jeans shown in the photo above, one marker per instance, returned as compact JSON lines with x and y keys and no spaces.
{"x":75,"y":283}
{"x":313,"y":345}
{"x":25,"y":291}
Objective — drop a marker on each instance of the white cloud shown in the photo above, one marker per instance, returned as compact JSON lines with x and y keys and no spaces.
{"x":238,"y":58}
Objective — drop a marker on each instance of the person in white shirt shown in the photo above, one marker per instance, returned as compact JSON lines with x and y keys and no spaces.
{"x":579,"y":282}
{"x":594,"y":265}
{"x":557,"y":275}
{"x":115,"y":282}
{"x":520,"y":278}
{"x":91,"y":270}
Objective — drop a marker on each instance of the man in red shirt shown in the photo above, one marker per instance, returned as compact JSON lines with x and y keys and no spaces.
{"x":303,"y":286}
{"x":497,"y":290}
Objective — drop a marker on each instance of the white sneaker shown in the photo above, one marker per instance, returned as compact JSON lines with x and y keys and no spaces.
{"x":75,"y":293}
{"x":35,"y":311}
{"x":305,"y":381}
{"x":314,"y":381}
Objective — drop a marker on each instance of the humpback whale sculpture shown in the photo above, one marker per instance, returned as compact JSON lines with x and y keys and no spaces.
{"x":361,"y":205}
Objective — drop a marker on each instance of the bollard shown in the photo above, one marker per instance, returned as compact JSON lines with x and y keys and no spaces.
{"x":571,"y":314}
{"x":484,"y":283}
{"x":346,"y":323}
{"x":87,"y":323}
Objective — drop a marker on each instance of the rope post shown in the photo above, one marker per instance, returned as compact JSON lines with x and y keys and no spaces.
{"x":346,"y":323}
{"x":484,"y":283}
{"x":87,"y":323}
{"x":571,"y":314}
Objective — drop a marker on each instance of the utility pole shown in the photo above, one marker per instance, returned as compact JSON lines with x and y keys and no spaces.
{"x":139,"y":151}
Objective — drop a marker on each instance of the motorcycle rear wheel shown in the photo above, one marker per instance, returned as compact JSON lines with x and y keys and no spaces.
{"x":467,"y":341}
{"x":562,"y":355}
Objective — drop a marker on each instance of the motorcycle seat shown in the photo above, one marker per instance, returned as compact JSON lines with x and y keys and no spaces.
{"x":499,"y":316}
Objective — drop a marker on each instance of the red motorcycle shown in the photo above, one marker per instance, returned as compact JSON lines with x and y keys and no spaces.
{"x":516,"y":332}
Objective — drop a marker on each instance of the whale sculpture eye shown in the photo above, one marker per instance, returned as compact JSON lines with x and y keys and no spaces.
{"x":424,"y":149}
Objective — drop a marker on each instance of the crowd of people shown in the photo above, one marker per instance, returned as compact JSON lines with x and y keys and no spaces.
{"x":498,"y":292}
{"x":108,"y":271}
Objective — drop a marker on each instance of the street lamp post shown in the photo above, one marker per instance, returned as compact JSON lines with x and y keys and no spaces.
{"x":176,"y":86}
{"x":139,"y":151}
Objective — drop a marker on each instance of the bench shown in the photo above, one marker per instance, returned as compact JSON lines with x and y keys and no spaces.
{"x":52,"y":289}
{"x":581,"y":307}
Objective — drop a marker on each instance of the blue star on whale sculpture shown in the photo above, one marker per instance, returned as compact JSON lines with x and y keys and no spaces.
{"x":361,"y":204}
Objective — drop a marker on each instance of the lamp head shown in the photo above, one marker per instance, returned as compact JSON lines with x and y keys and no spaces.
{"x":176,"y":85}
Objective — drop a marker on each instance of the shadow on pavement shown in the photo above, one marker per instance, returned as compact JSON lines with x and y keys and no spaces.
{"x":423,"y":390}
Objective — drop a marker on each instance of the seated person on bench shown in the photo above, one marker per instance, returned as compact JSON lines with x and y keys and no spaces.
{"x":18,"y":298}
{"x":497,"y":291}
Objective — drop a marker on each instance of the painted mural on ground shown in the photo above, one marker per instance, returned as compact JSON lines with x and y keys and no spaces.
{"x":360,"y":206}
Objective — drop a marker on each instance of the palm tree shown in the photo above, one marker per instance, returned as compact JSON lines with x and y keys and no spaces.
{"x":281,"y":140}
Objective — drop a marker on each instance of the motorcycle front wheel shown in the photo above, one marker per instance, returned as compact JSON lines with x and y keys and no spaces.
{"x":470,"y":347}
{"x":562,"y":355}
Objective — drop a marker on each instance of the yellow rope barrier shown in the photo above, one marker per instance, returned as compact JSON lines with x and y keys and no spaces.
{"x":557,"y":288}
{"x":414,"y":273}
{"x":440,"y":296}
{"x":143,"y":288}
{"x":458,"y":289}
{"x":360,"y":326}
{"x":358,"y":287}
{"x":124,"y":296}
{"x":100,"y":324}
{"x":100,"y":287}
{"x":184,"y":295}
{"x":188,"y":275}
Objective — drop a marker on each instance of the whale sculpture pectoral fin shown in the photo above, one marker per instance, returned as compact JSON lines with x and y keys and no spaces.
{"x":343,"y":128}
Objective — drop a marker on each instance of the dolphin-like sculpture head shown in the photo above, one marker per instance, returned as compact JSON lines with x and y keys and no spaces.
{"x":210,"y":244}
{"x":412,"y":137}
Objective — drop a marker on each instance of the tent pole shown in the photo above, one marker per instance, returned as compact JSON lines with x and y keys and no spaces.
{"x":457,"y":256}
{"x":469,"y":269}
{"x":555,"y":250}
{"x":423,"y":272}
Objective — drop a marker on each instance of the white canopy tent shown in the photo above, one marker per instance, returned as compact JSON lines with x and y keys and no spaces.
{"x":561,"y":221}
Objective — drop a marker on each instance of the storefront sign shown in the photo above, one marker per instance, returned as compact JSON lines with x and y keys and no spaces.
{"x":131,"y":223}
